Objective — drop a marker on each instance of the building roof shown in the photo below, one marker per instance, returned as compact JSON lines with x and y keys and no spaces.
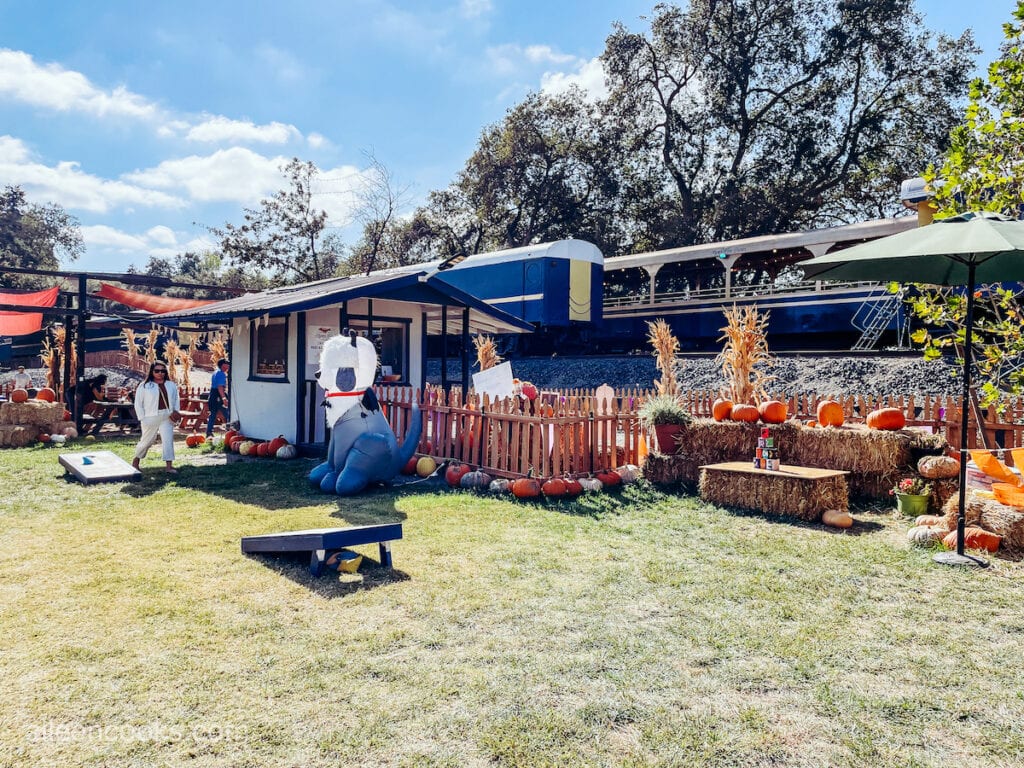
{"x":428,"y":291}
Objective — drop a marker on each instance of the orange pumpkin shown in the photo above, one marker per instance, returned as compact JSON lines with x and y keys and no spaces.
{"x":19,"y":396}
{"x":43,"y":437}
{"x":410,"y":466}
{"x":46,"y":395}
{"x":830,"y":413}
{"x":773,"y":412}
{"x":721,"y":409}
{"x":261,"y":449}
{"x":194,"y":439}
{"x":277,"y":444}
{"x":887,"y":418}
{"x":974,"y":538}
{"x":554,"y":487}
{"x":573,"y":487}
{"x":609,"y":478}
{"x":744,"y":412}
{"x":526,"y":488}
{"x":453,"y":475}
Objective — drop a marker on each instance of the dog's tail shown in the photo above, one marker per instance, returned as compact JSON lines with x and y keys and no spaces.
{"x":412,"y":437}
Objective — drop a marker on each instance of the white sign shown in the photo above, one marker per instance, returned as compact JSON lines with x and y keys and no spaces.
{"x":316,"y":335}
{"x":495,"y":382}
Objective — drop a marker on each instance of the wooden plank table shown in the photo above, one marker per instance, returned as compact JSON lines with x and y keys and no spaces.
{"x":803,"y":492}
{"x":318,"y":541}
{"x":117,"y":413}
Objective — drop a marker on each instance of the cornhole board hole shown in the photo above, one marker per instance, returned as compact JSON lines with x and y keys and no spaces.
{"x":318,"y":541}
{"x":98,"y":467}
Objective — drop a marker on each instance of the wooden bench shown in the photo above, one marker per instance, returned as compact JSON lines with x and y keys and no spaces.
{"x":319,"y":541}
{"x":803,"y":492}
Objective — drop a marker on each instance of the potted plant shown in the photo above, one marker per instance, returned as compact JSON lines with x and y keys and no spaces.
{"x":664,"y":416}
{"x":912,"y":496}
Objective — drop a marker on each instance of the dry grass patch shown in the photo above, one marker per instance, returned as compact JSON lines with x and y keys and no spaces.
{"x":646,"y":631}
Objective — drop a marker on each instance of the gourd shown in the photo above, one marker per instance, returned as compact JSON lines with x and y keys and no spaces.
{"x":925,"y":535}
{"x":19,"y":396}
{"x":830,"y":414}
{"x":721,"y":409}
{"x":974,"y":538}
{"x":426,"y":466}
{"x":931,"y":520}
{"x":573,"y":487}
{"x":275,"y":445}
{"x":526,"y":487}
{"x":477,"y":481}
{"x":837,"y":518}
{"x":454,"y":473}
{"x":886,"y":418}
{"x":773,"y":412}
{"x":287,"y":451}
{"x":553,"y":488}
{"x":591,"y":484}
{"x":609,"y":478}
{"x":938,"y":467}
{"x":246,"y":447}
{"x":500,"y":485}
{"x":629,"y":473}
{"x":746,"y":413}
{"x":46,"y":395}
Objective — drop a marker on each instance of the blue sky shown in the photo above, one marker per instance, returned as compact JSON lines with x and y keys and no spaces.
{"x":151,"y":121}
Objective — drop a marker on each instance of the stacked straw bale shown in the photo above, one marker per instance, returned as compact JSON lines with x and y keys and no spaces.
{"x":21,"y":423}
{"x":874,"y":458}
{"x":993,"y":516}
{"x":776,"y":493}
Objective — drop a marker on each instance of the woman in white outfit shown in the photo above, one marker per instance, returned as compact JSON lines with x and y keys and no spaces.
{"x":157,"y":405}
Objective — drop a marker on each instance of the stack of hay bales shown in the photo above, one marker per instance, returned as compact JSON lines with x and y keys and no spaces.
{"x":22,"y":423}
{"x":874,"y":458}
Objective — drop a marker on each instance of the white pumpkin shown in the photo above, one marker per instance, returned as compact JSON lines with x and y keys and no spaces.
{"x":938,"y":467}
{"x":629,"y":473}
{"x":591,"y":484}
{"x":287,"y":452}
{"x":246,"y":447}
{"x":499,"y":485}
{"x":924,"y":535}
{"x":71,"y":432}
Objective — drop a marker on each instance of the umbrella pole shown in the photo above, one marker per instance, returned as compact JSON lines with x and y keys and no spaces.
{"x":958,"y":557}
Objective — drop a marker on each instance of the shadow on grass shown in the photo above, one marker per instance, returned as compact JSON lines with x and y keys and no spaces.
{"x":330,"y":584}
{"x":861,"y":527}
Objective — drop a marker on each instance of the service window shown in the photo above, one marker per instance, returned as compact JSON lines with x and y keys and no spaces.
{"x":269,"y":359}
{"x":391,"y":340}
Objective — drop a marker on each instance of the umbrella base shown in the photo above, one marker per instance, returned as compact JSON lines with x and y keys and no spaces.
{"x":952,"y":558}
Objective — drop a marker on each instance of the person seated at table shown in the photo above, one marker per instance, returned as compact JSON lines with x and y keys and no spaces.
{"x":89,"y":391}
{"x":23,"y":380}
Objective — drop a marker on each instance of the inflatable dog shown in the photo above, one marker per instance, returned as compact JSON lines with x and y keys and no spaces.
{"x":363,"y":449}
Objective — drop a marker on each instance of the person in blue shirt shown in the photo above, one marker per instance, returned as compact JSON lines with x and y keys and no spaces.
{"x":218,"y":394}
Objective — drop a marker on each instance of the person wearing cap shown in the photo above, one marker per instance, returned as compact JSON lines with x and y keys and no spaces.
{"x":23,"y":380}
{"x":218,"y":402}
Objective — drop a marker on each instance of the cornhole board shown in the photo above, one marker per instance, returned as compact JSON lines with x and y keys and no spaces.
{"x":98,"y":467}
{"x":318,"y":541}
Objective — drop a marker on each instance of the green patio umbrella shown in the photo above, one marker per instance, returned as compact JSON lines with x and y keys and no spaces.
{"x":965,"y":250}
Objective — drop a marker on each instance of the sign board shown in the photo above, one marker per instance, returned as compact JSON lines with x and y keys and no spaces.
{"x":316,"y":335}
{"x":495,"y":382}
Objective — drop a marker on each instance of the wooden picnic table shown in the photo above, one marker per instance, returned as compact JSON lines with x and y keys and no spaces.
{"x":105,"y":412}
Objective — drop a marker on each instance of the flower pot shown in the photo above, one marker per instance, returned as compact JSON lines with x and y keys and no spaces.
{"x":912,"y":504}
{"x":665,"y":437}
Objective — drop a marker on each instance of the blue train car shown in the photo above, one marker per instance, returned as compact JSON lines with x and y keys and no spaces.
{"x":552,"y":285}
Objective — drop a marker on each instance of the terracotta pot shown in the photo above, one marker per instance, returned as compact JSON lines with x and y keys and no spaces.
{"x":665,"y":437}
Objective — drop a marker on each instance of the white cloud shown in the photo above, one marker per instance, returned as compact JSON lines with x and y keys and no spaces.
{"x":236,"y":174}
{"x":511,"y":58}
{"x":472,"y":9}
{"x":67,"y":185}
{"x":102,"y":236}
{"x":222,"y":129}
{"x":589,"y":76}
{"x":162,"y":235}
{"x":317,"y":140}
{"x":52,"y":87}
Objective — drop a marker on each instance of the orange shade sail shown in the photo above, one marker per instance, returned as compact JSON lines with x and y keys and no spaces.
{"x":147,"y":301}
{"x":22,"y":323}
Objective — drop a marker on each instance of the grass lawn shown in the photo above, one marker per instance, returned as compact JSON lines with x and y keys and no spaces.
{"x":639,"y":630}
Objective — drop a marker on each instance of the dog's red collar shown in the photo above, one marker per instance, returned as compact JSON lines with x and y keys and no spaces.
{"x":345,"y":394}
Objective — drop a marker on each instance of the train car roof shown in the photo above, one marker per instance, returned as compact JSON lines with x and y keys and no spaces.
{"x":815,"y":241}
{"x":580,"y":250}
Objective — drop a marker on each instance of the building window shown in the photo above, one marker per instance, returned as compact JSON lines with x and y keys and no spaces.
{"x":270,"y":349}
{"x":391,"y":340}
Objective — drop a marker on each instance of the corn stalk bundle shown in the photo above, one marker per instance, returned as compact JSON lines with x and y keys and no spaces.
{"x":150,"y":347}
{"x":666,"y":352}
{"x":172,"y":354}
{"x":217,"y":347}
{"x":746,"y":347}
{"x":486,"y":351}
{"x":129,"y":343}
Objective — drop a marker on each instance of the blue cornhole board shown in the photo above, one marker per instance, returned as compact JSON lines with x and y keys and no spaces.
{"x":98,"y":467}
{"x":318,"y":541}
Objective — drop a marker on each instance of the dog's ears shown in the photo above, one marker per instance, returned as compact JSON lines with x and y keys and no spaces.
{"x":351,"y":333}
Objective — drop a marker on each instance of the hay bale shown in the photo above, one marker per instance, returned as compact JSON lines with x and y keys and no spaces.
{"x":779,"y":493}
{"x":16,"y":436}
{"x":32,"y":413}
{"x":993,"y":516}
